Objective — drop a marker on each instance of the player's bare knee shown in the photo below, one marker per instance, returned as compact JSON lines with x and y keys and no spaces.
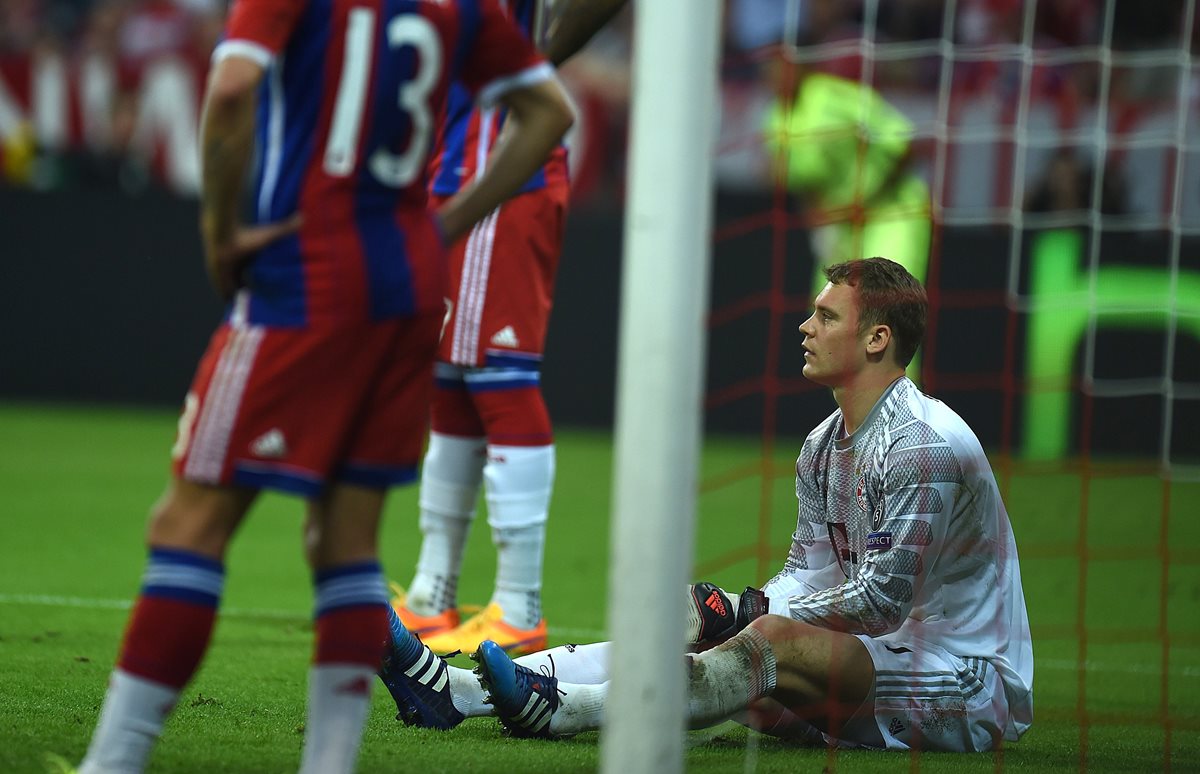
{"x":343,"y":525}
{"x":810,"y":650}
{"x":196,"y":518}
{"x":780,"y":629}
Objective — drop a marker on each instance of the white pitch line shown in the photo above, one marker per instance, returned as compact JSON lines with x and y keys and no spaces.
{"x":48,"y":600}
{"x":580,"y":635}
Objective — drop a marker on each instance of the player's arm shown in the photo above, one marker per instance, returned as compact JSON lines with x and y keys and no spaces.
{"x":226,"y":145}
{"x":256,"y":30}
{"x":819,"y":570}
{"x":574,"y":24}
{"x":714,"y":614}
{"x":890,"y":136}
{"x":918,"y":503}
{"x":539,"y":115}
{"x":812,"y":564}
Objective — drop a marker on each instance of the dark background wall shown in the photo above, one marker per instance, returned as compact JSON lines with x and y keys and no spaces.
{"x":103,"y":298}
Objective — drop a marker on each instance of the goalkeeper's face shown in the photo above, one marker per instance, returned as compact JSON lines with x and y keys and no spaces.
{"x":834,"y":350}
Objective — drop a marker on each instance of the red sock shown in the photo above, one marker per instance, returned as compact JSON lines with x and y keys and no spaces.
{"x":166,"y":639}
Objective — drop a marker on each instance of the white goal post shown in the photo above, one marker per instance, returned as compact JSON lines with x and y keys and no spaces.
{"x":660,"y":385}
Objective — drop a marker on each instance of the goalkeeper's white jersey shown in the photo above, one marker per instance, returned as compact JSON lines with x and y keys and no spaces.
{"x":902,"y":536}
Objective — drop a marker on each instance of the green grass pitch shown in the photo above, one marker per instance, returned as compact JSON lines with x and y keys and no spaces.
{"x":76,"y":484}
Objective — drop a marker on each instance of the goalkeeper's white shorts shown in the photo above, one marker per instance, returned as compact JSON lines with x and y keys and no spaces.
{"x":928,"y":699}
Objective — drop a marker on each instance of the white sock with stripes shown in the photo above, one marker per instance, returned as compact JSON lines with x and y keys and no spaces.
{"x":518,"y":481}
{"x":726,"y":679}
{"x":451,"y":475}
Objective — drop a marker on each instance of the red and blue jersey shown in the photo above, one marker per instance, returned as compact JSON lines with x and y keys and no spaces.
{"x":347,"y":119}
{"x":471,"y":129}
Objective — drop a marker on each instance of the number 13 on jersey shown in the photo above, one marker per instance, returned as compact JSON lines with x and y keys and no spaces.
{"x":413,"y":98}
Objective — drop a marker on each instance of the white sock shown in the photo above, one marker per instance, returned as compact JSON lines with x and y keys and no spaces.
{"x":518,"y":481}
{"x":450,"y":478}
{"x":434,"y":588}
{"x":580,"y":708}
{"x":130,"y":722}
{"x":580,"y":664}
{"x":467,"y":693}
{"x":518,"y":589}
{"x":726,"y":679}
{"x":339,"y":698}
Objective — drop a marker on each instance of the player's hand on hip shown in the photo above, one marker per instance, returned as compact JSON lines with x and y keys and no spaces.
{"x":227,"y":259}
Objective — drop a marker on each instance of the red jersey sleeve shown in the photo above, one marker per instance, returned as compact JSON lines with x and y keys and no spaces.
{"x":501,"y":57}
{"x":259,"y":29}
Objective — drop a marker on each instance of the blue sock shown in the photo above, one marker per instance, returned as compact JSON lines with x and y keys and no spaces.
{"x":404,"y":649}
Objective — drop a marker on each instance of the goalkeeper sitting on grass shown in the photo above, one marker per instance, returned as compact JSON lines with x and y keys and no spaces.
{"x":898,"y":620}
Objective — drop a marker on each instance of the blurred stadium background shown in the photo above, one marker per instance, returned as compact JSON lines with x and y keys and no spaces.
{"x":1059,"y":139}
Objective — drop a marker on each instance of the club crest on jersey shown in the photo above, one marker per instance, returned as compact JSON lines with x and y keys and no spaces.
{"x":879,"y":541}
{"x":860,"y":494}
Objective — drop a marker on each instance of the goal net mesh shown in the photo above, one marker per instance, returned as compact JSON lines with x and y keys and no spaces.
{"x":1059,"y":146}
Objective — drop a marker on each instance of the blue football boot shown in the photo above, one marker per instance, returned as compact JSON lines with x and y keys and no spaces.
{"x":524,"y":700}
{"x":422,"y":691}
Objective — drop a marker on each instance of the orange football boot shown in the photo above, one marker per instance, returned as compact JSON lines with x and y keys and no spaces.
{"x":426,"y":626}
{"x":489,"y":624}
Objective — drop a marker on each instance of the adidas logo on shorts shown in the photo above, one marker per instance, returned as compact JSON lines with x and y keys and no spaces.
{"x":895,"y":728}
{"x":270,"y":445}
{"x":506,"y":337}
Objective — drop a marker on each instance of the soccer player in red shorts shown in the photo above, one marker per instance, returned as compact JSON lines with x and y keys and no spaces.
{"x":317,"y":383}
{"x":490,"y":424}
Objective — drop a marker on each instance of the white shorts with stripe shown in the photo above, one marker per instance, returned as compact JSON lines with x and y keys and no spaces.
{"x":928,"y":698}
{"x":924,"y":698}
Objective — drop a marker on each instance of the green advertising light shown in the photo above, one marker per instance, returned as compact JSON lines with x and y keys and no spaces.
{"x":1060,"y":305}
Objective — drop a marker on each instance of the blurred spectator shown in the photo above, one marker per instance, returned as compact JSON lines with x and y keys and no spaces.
{"x":101,"y":33}
{"x":987,"y":22}
{"x":1066,"y":186}
{"x":912,"y":19}
{"x":117,"y":164}
{"x":153,"y":28}
{"x":753,"y":24}
{"x":848,"y":153}
{"x":20,"y":22}
{"x":1066,"y":23}
{"x":106,"y":47}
